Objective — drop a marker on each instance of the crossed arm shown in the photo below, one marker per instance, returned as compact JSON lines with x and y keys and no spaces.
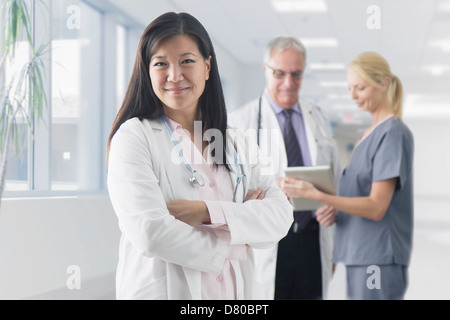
{"x":195,"y":212}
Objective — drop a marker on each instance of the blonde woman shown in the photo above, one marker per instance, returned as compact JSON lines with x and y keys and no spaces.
{"x":374,"y":226}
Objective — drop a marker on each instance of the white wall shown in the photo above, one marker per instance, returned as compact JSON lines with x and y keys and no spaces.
{"x":40,"y":238}
{"x":252,"y":82}
{"x":432,"y":155}
{"x":241,"y":82}
{"x":229,"y":70}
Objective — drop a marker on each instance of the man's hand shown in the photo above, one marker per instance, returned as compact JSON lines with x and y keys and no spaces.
{"x":326,"y":215}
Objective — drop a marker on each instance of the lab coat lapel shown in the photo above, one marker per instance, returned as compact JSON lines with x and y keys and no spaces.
{"x":234,"y":171}
{"x":273,"y":141}
{"x":175,"y":178}
{"x":174,"y":174}
{"x":310,"y":129}
{"x":239,"y":280}
{"x":269,"y":119}
{"x":194,"y":280}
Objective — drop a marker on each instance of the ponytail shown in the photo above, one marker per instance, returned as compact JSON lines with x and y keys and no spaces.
{"x":395,"y":96}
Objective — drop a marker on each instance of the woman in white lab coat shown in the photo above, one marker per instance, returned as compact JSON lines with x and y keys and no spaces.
{"x":190,"y":210}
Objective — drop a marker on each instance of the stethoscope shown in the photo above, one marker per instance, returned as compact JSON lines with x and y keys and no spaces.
{"x":324,"y":141}
{"x":196,"y":178}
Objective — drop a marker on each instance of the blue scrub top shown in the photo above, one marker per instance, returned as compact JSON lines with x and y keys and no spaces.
{"x":386,"y":153}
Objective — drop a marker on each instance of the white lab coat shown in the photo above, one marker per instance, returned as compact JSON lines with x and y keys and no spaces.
{"x":161,"y":257}
{"x":323,"y":152}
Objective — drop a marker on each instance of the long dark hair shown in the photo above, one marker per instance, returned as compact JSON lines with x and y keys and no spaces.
{"x":140,"y":99}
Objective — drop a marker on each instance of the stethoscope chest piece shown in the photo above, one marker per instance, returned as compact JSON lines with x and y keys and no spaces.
{"x":196,"y":178}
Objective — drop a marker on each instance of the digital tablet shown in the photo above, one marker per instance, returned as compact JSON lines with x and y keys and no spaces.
{"x":320,"y":176}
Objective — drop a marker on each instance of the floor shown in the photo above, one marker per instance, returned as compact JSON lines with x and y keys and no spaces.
{"x":429,"y":272}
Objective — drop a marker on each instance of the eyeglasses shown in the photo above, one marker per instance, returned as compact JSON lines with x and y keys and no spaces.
{"x":281,"y":74}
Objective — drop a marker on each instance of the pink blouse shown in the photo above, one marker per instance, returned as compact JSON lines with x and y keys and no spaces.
{"x":218,"y":187}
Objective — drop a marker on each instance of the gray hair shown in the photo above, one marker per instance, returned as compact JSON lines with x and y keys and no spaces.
{"x":282,"y":43}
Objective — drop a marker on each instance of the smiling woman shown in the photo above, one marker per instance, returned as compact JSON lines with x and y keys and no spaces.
{"x":179,"y":73}
{"x":189,"y":223}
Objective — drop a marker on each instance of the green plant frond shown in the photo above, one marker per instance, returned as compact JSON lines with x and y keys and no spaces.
{"x":6,"y":92}
{"x":20,"y":91}
{"x":4,"y":57}
{"x":3,"y":127}
{"x":39,"y":96}
{"x":18,"y":140}
{"x":29,"y":124}
{"x":17,"y":18}
{"x":26,"y":21}
{"x":24,"y":96}
{"x":3,"y":124}
{"x":3,"y":130}
{"x":39,"y":53}
{"x":12,"y":127}
{"x":14,"y":136}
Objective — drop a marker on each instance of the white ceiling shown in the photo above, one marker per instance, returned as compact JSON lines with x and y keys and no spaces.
{"x":414,"y":36}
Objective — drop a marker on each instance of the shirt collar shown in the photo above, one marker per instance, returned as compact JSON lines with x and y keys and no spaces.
{"x":178,"y":130}
{"x":277,"y":109}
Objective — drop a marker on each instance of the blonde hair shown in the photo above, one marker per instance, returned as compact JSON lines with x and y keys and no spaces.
{"x":374,"y":69}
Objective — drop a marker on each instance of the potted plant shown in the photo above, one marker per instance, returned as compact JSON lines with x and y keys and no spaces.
{"x":22,"y":92}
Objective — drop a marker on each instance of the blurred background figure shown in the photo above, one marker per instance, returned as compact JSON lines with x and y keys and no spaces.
{"x":374,"y":227}
{"x":292,"y":132}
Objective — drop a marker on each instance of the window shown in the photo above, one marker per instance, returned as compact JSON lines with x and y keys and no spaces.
{"x":87,"y":61}
{"x":17,"y":174}
{"x":121,"y":64}
{"x":76,"y":94}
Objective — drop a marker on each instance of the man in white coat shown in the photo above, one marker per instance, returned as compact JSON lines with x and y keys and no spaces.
{"x":299,"y":266}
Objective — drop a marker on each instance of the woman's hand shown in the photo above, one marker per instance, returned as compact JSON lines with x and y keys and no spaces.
{"x":256,"y":194}
{"x":191,"y":212}
{"x":280,"y":183}
{"x":296,"y":188}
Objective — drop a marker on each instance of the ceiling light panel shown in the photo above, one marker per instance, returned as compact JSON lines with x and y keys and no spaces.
{"x":319,"y":42}
{"x":326,"y":66}
{"x":444,"y":44}
{"x":443,"y":6}
{"x":299,"y":5}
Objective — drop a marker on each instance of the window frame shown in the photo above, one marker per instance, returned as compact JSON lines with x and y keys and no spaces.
{"x":40,"y":149}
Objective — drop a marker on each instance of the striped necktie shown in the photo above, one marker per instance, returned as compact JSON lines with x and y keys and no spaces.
{"x":293,"y":151}
{"x":295,"y":159}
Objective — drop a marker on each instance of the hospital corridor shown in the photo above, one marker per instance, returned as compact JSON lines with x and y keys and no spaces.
{"x":64,"y":78}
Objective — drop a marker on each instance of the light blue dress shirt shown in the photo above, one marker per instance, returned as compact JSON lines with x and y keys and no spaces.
{"x":297,"y":123}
